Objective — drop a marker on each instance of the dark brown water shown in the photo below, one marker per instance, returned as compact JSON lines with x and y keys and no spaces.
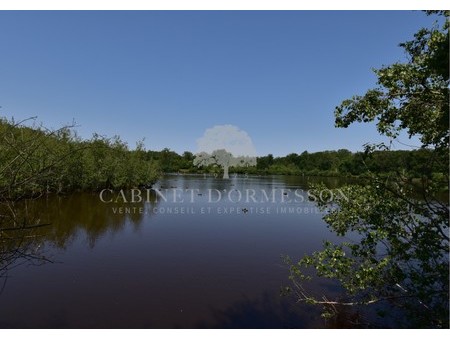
{"x":152,"y":266}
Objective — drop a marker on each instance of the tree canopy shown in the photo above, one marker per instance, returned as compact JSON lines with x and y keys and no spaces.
{"x":400,"y":257}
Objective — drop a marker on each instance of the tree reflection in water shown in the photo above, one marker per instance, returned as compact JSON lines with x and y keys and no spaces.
{"x":29,"y":226}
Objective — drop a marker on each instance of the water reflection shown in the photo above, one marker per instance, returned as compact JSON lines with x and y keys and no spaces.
{"x":148,"y":269}
{"x":67,"y":215}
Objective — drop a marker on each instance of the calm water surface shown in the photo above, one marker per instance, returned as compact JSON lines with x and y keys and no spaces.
{"x":156,"y":267}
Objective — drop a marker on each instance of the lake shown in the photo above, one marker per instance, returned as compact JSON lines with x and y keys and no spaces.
{"x":194,"y":252}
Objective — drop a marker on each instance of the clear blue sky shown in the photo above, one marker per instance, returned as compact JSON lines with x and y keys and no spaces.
{"x":167,"y":76}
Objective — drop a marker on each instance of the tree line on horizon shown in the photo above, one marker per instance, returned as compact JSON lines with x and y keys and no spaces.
{"x":35,"y":160}
{"x":330,"y":163}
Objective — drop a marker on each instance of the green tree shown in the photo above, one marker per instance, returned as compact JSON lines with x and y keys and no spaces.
{"x":402,"y":255}
{"x":35,"y":161}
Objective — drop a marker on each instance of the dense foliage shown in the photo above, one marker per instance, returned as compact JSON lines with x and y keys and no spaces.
{"x":35,"y":161}
{"x":399,"y":253}
{"x":345,"y":163}
{"x":324,"y":163}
